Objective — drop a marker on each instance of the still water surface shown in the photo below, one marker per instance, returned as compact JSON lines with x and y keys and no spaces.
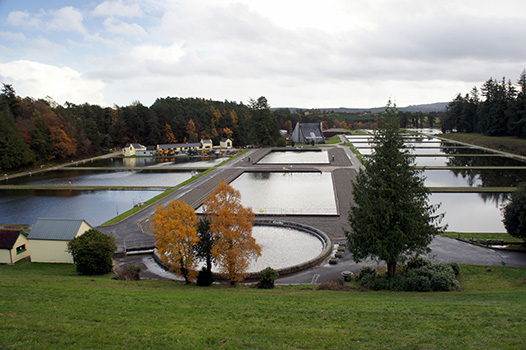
{"x":287,"y":193}
{"x":96,"y":207}
{"x":104,"y":178}
{"x":471,"y":212}
{"x":296,"y":157}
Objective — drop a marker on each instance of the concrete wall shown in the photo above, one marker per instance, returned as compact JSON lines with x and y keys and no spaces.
{"x":83,"y":228}
{"x":5,"y":256}
{"x":50,"y":251}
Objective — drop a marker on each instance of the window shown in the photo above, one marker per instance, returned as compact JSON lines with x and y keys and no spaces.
{"x":21,"y":249}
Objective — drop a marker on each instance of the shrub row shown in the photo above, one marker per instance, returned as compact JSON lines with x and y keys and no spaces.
{"x":419,"y":275}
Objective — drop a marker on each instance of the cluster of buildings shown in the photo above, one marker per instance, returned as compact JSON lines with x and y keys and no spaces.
{"x":46,"y":242}
{"x":170,"y":149}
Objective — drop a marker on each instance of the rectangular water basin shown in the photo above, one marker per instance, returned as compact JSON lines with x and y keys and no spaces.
{"x":296,"y":157}
{"x":292,"y":193}
{"x":471,"y":212}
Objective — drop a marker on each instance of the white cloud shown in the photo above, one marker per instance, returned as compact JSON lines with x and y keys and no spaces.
{"x":22,"y":19}
{"x":117,"y":9}
{"x":157,"y":54}
{"x":132,"y":30}
{"x":62,"y":84}
{"x":13,"y":36}
{"x":67,"y":19}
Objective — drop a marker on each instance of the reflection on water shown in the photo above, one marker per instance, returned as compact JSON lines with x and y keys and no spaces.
{"x":183,"y":161}
{"x":474,"y":178}
{"x":466,"y":161}
{"x":296,"y":157}
{"x":96,"y":207}
{"x":283,"y":247}
{"x":471,"y":212}
{"x":287,"y":193}
{"x":104,"y":178}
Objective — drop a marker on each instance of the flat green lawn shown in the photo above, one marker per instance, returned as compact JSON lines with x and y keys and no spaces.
{"x":46,"y":306}
{"x":504,"y":236}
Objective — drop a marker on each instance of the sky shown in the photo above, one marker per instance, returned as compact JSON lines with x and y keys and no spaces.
{"x":296,"y":53}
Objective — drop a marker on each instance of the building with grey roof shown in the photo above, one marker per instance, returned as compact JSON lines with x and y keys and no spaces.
{"x":308,"y":133}
{"x":48,"y":239}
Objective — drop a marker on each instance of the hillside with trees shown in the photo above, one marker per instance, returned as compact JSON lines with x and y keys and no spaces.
{"x":39,"y":132}
{"x":497,"y":109}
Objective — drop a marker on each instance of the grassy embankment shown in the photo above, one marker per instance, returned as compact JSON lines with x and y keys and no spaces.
{"x":483,"y":236}
{"x":502,"y":143}
{"x":48,"y":306}
{"x":166,"y":193}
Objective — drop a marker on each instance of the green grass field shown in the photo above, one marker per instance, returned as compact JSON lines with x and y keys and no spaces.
{"x":48,"y":306}
{"x":492,"y":236}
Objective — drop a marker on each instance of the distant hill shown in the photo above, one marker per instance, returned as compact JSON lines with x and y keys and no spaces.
{"x":430,"y":107}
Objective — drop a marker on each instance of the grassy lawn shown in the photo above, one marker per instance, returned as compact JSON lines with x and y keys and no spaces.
{"x":333,"y":140}
{"x":504,"y":236}
{"x":502,"y":143}
{"x":47,"y":306}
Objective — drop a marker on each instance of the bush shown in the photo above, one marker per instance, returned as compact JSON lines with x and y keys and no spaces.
{"x":455,"y":267}
{"x":367,"y":271}
{"x":418,"y":262}
{"x":281,"y":143}
{"x":93,"y":252}
{"x":268,"y":276}
{"x":205,"y":277}
{"x":334,"y":284}
{"x":416,"y":283}
{"x":129,"y":272}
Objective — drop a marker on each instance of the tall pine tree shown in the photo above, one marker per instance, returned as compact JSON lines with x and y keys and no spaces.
{"x":391,"y":218}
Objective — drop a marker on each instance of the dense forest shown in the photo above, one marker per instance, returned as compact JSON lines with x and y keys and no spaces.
{"x":498,"y":109}
{"x":35,"y":132}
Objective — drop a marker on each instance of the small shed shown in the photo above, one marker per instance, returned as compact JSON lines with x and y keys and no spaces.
{"x":225,"y":143}
{"x":13,"y":246}
{"x":131,"y":149}
{"x":49,"y":239}
{"x":207,"y":145}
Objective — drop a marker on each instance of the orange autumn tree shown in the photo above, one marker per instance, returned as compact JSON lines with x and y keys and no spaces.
{"x":175,"y":227}
{"x":231,"y":224}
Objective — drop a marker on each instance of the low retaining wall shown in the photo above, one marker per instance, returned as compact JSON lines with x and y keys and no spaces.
{"x":326,"y":250}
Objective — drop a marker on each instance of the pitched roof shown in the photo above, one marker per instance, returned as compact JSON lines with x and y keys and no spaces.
{"x":224,"y":139}
{"x":55,"y":229}
{"x":8,"y":238}
{"x":311,"y":129}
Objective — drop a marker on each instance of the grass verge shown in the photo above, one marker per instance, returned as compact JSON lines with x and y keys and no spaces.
{"x":483,"y":236}
{"x":48,"y":306}
{"x":501,"y":143}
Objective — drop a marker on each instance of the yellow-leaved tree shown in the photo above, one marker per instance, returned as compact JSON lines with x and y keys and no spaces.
{"x":231,"y":224}
{"x":176,"y":235}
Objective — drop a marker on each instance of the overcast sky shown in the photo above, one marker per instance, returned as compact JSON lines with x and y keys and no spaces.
{"x":297,"y":53}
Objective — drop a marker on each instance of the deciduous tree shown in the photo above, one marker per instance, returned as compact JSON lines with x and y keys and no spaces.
{"x":176,"y":237}
{"x":231,"y":223}
{"x":391,"y":217}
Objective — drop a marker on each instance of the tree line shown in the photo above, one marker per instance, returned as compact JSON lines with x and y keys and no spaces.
{"x":497,"y":109}
{"x":40,"y":131}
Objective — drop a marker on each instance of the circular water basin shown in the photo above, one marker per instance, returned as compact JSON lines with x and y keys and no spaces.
{"x":286,"y":247}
